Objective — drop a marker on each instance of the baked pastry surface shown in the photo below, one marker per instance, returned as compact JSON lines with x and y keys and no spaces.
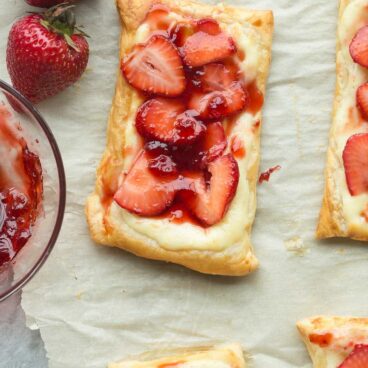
{"x":343,"y":215}
{"x":330,"y":340}
{"x":224,"y":248}
{"x":220,"y":356}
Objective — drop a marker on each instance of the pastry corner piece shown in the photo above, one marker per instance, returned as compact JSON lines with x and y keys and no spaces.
{"x":344,"y":210}
{"x":336,"y":342}
{"x":219,"y":356}
{"x":177,"y":181}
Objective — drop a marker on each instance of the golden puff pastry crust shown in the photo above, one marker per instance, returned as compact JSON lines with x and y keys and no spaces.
{"x":330,"y":340}
{"x":219,"y":356}
{"x":229,"y":251}
{"x":343,"y":215}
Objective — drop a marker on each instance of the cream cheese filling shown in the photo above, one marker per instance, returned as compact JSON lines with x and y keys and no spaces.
{"x":347,"y":119}
{"x":230,"y":231}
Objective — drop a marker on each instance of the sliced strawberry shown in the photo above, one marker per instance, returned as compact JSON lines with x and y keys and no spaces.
{"x":168,"y":121}
{"x":163,"y":165}
{"x":155,"y":67}
{"x":358,"y":358}
{"x":222,"y":94}
{"x":214,"y":142}
{"x":362,"y":100}
{"x":355,"y":157}
{"x":203,"y":48}
{"x":179,"y":33}
{"x":209,"y":26}
{"x":218,"y":77}
{"x":209,"y":106}
{"x":359,"y":47}
{"x":208,"y":148}
{"x":142,"y":192}
{"x":213,"y":198}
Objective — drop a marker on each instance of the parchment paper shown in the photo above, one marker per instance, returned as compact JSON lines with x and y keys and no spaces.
{"x":95,"y":304}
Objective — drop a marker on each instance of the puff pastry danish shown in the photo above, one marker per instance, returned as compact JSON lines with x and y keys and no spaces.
{"x":201,"y":220}
{"x":336,"y":341}
{"x":344,"y":210}
{"x":220,"y":356}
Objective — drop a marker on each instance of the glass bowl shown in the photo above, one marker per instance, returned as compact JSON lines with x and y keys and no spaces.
{"x":40,"y":140}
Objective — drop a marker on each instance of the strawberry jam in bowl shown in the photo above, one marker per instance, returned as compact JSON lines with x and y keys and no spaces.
{"x":32,"y":191}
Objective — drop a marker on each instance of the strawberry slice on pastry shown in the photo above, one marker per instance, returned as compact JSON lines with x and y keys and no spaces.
{"x":214,"y":195}
{"x":221,"y":93}
{"x":155,"y":67}
{"x":207,"y":45}
{"x":355,"y":157}
{"x":359,"y":47}
{"x":142,"y":192}
{"x":168,"y":121}
{"x":362,"y":100}
{"x":358,"y":358}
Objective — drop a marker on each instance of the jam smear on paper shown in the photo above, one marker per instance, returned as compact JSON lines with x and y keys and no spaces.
{"x":265,"y":176}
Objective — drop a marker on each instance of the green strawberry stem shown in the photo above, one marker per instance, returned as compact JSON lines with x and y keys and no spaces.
{"x":61,"y":20}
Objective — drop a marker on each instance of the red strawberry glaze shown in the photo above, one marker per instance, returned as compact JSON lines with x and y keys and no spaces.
{"x":20,"y":192}
{"x":265,"y":176}
{"x":237,"y":147}
{"x":256,"y":98}
{"x":215,"y":90}
{"x":322,"y":340}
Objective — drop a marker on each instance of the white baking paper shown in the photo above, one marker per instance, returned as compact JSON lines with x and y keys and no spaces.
{"x":94,"y":304}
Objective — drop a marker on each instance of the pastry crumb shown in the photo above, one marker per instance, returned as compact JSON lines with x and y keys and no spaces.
{"x":296,"y":246}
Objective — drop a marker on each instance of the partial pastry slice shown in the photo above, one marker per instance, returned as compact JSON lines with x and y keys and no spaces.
{"x":165,"y":148}
{"x":219,"y":356}
{"x":344,"y":210}
{"x":336,"y":342}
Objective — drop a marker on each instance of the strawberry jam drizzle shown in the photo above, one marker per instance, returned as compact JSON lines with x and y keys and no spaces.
{"x":237,"y":147}
{"x":188,"y":157}
{"x":265,"y":176}
{"x":322,"y":340}
{"x":21,"y":190}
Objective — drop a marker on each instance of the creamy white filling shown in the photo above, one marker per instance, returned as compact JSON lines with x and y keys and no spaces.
{"x":230,"y":231}
{"x":334,"y":359}
{"x":347,"y":117}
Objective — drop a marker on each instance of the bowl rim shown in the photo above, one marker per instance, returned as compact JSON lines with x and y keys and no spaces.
{"x":62,"y":190}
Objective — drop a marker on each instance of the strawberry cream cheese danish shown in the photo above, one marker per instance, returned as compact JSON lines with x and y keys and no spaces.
{"x":219,"y":356}
{"x":336,"y":342}
{"x":178,"y":178}
{"x":345,"y":205}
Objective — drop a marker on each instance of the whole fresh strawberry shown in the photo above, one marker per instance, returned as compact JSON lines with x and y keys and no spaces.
{"x":46,"y":53}
{"x":46,"y":3}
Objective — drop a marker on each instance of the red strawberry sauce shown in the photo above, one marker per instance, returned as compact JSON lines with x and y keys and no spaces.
{"x":191,"y":157}
{"x":323,"y":340}
{"x":265,"y":176}
{"x":20,"y":188}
